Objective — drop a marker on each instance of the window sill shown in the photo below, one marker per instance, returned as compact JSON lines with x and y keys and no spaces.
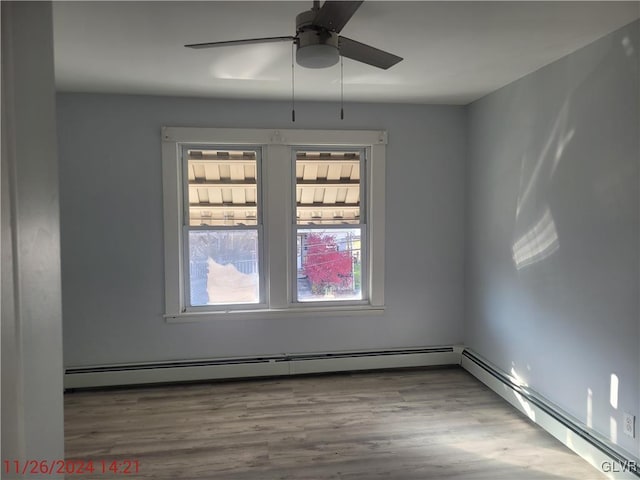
{"x":333,"y":311}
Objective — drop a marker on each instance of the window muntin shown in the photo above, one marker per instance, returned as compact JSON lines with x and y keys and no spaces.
{"x":328,"y":186}
{"x":222,"y":229}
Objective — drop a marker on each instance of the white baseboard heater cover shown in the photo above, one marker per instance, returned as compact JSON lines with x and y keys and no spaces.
{"x":264,"y":366}
{"x":587,"y":444}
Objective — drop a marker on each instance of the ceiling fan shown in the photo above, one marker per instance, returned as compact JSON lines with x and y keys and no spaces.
{"x":318,"y":44}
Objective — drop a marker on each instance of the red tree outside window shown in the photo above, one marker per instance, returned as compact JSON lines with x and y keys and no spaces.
{"x":327,"y":268}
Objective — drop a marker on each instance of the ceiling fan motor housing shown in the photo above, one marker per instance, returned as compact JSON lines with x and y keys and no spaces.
{"x":317,"y":47}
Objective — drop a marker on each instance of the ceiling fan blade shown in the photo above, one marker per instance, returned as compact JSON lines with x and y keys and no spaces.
{"x":334,"y":15}
{"x":366,"y":53}
{"x":247,"y":41}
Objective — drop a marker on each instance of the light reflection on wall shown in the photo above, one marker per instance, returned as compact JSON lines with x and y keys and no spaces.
{"x":613,"y":391}
{"x":536,"y":244}
{"x":517,"y":378}
{"x":540,"y":239}
{"x":589,"y":408}
{"x":560,"y":135}
{"x":627,"y":46}
{"x":528,"y":410}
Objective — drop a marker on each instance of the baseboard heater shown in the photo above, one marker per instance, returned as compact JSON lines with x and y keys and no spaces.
{"x":261,"y":366}
{"x":594,"y":449}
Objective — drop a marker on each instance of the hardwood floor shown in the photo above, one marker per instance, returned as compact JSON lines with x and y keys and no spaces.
{"x":392,"y":425}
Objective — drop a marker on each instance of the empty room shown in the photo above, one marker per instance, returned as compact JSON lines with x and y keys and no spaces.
{"x":335,"y":240}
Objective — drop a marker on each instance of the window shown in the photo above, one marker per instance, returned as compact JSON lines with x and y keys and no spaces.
{"x":266,"y":222}
{"x":329,"y":227}
{"x":222,"y":225}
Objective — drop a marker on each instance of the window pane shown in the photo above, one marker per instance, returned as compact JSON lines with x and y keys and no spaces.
{"x":222,"y":187}
{"x":223,"y":267}
{"x":327,"y":188}
{"x":329,"y":264}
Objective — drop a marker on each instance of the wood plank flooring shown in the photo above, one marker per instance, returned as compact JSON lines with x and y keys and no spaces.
{"x":392,"y":425}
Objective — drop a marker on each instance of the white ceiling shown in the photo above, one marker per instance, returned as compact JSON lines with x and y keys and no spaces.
{"x":454,"y":52}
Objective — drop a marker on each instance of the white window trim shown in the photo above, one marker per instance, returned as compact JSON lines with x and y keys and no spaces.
{"x":277,"y":191}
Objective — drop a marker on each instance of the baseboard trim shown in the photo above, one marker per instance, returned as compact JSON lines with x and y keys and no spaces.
{"x":264,"y":366}
{"x":597,"y":451}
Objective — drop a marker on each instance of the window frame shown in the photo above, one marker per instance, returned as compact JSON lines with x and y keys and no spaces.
{"x":362,"y":225}
{"x":186,"y":228}
{"x":277,"y":247}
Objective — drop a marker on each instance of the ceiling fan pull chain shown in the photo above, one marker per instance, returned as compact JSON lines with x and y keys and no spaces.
{"x":293,"y":83}
{"x":341,"y":89}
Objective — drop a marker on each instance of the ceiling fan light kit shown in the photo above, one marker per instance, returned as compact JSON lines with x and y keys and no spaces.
{"x":317,"y":49}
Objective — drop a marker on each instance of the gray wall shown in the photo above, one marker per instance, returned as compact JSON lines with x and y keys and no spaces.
{"x":112,"y":245}
{"x":32,"y":410}
{"x":552,"y":239}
